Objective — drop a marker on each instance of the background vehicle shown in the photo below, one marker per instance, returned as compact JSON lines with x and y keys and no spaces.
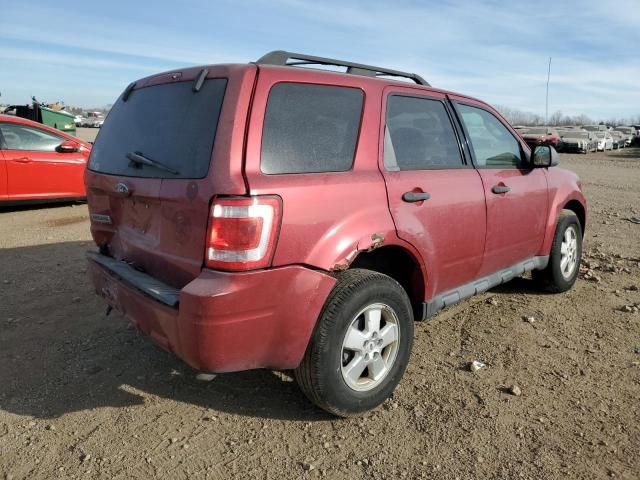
{"x":271,"y":216}
{"x":542,"y":136}
{"x":39,"y":163}
{"x":93,"y":120}
{"x":595,"y":128}
{"x":593,"y":138}
{"x":605,"y":141}
{"x":619,"y":139}
{"x":576,"y":140}
{"x":628,"y":134}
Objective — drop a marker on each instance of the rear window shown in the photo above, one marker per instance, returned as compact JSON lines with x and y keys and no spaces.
{"x":168,"y":124}
{"x":310,"y":128}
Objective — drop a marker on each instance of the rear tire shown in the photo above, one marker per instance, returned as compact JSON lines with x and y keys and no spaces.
{"x":566,"y":252}
{"x":361,"y":345}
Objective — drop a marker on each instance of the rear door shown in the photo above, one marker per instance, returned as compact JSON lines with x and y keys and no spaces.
{"x":516,"y":194}
{"x":155,"y":216}
{"x":436,"y":198}
{"x":34,"y":168}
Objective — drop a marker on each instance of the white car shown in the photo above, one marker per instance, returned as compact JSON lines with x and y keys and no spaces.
{"x":605,"y":141}
{"x":92,"y":122}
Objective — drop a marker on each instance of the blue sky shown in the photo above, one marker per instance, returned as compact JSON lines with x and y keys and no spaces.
{"x":497,"y":51}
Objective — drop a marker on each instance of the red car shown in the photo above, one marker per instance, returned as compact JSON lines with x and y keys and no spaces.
{"x":39,"y":163}
{"x":542,"y":136}
{"x":268,"y":215}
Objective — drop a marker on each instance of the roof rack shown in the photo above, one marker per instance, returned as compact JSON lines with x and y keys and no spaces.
{"x":287,"y":59}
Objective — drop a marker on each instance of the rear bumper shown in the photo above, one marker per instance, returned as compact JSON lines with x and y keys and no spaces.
{"x":225,"y":322}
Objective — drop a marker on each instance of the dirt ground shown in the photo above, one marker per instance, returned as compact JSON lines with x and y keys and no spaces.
{"x":87,"y":134}
{"x":82,"y":395}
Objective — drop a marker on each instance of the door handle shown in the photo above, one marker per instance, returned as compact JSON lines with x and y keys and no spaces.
{"x":23,"y":160}
{"x":413,"y":197}
{"x":500,"y":189}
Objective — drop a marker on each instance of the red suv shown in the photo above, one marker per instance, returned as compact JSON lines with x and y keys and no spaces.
{"x":268,"y":215}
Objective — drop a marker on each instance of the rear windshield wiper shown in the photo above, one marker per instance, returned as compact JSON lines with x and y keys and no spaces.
{"x":137,"y":158}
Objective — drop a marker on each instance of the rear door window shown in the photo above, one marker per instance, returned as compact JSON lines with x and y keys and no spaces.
{"x":419,"y":135}
{"x":169,"y":124}
{"x":310,"y":128}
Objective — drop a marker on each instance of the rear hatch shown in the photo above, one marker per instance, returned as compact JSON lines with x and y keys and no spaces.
{"x":150,"y":178}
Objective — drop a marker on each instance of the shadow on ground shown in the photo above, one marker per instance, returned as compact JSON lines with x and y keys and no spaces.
{"x":21,"y":206}
{"x":520,"y":285}
{"x":59,"y":353}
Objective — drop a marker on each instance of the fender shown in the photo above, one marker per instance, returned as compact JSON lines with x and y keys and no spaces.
{"x":564,"y":187}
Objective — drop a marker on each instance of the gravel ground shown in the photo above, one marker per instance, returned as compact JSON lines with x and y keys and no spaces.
{"x":84,"y":396}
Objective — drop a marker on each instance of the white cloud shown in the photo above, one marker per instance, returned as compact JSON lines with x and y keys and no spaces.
{"x":492,"y":50}
{"x":35,"y":56}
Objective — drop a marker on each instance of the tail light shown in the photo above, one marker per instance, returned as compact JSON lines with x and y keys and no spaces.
{"x":242,"y":232}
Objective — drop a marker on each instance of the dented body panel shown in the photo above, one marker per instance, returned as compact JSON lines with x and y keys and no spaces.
{"x":328,"y":217}
{"x":227,"y":322}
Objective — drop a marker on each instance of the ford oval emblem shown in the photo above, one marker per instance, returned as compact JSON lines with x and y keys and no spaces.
{"x":122,"y":189}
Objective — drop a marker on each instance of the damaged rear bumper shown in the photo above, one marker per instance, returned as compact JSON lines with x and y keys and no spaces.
{"x":220,"y":322}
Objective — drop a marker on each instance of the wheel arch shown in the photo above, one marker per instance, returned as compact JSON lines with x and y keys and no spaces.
{"x":576,"y":207}
{"x":575,"y":202}
{"x":403,"y":266}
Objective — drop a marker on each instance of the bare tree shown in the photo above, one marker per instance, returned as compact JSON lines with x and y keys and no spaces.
{"x":556,"y":118}
{"x":519,"y":117}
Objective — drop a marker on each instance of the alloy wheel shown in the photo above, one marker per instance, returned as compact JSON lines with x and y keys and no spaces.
{"x":370,"y":347}
{"x":569,"y":252}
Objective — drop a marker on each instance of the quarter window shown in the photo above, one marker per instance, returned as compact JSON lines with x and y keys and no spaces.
{"x":20,"y":137}
{"x":419,"y":135}
{"x":493,"y":145}
{"x":310,"y":128}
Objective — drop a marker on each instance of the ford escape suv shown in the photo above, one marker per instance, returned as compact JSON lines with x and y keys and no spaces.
{"x":272,"y":215}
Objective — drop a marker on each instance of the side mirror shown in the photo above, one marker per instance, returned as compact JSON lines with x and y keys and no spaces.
{"x":545,"y":156}
{"x":67,"y":146}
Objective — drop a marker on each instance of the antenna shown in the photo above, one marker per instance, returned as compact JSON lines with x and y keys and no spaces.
{"x":546,"y":109}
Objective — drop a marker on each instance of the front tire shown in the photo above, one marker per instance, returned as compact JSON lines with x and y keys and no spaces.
{"x":361,"y":345}
{"x":566,"y":252}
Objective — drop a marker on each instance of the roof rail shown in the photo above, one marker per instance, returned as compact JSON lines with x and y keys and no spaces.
{"x":283,"y":58}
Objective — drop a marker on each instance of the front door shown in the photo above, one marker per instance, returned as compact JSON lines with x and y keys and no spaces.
{"x":516,"y":194}
{"x":33,"y":166}
{"x":3,"y":174}
{"x":436,"y":198}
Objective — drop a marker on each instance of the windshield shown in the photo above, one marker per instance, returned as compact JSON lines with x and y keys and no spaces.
{"x":169,"y":124}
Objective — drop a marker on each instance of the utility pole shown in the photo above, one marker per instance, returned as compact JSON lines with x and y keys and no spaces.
{"x":546,"y":110}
